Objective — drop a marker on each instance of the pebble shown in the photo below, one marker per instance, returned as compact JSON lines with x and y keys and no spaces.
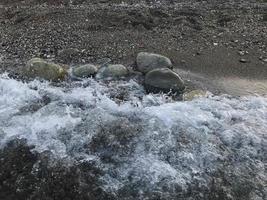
{"x":242,"y":60}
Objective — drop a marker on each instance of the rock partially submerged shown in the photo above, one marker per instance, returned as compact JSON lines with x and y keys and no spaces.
{"x":85,"y":71}
{"x":112,"y":71}
{"x":158,"y":77}
{"x":149,"y":61}
{"x":39,"y":68}
{"x":163,"y":80}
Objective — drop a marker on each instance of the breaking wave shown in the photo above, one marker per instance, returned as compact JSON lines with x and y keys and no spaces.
{"x":146,"y":146}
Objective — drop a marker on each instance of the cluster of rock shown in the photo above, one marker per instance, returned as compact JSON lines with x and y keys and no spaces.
{"x":157,"y":71}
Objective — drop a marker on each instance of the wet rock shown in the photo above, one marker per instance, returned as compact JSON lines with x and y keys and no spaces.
{"x":40,"y":68}
{"x":149,"y":61}
{"x":188,"y":96}
{"x":163,"y":80}
{"x":85,"y":71}
{"x":112,"y":71}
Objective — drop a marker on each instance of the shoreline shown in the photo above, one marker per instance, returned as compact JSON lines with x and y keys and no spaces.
{"x":214,"y":46}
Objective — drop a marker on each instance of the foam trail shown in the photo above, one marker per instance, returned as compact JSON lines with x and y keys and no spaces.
{"x":146,"y":137}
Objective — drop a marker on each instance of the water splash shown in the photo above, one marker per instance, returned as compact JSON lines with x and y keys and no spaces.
{"x":146,"y":142}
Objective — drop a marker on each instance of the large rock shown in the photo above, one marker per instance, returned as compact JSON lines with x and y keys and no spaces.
{"x":85,"y":71}
{"x":163,"y":80}
{"x":112,"y":71}
{"x":149,"y":61}
{"x":40,"y":68}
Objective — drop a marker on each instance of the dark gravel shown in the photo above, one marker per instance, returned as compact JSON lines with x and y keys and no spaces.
{"x":202,"y":36}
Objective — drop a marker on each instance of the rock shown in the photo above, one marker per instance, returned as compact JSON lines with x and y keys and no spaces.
{"x":38,"y":67}
{"x":85,"y":71}
{"x":114,"y":71}
{"x":149,"y":61}
{"x":242,"y":53}
{"x":163,"y":80}
{"x":189,"y":96}
{"x":242,"y":60}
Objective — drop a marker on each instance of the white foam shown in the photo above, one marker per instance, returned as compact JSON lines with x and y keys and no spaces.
{"x":177,"y":141}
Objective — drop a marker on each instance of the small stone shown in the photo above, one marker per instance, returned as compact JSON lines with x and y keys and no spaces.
{"x":263,"y":59}
{"x":38,"y":67}
{"x":242,"y":60}
{"x":85,"y":71}
{"x":112,"y":71}
{"x":163,"y":80}
{"x":150,"y":61}
{"x":241,"y":53}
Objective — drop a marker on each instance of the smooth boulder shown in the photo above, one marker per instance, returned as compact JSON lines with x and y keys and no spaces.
{"x":112,"y":71}
{"x":85,"y":71}
{"x":163,"y":80}
{"x":39,"y":68}
{"x":150,"y":61}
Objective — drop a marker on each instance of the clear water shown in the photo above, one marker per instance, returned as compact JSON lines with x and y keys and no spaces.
{"x":138,"y":139}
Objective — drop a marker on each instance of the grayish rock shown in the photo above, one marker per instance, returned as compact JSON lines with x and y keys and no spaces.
{"x":40,"y":68}
{"x":85,"y":71}
{"x":163,"y":80}
{"x":112,"y":71}
{"x":149,"y":61}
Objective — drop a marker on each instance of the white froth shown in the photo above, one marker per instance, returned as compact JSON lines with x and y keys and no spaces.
{"x":177,"y":139}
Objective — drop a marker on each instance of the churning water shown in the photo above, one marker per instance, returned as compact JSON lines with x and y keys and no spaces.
{"x":147,"y":142}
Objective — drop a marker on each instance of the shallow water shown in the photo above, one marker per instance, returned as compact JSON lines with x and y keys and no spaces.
{"x":148,"y":142}
{"x":242,"y":87}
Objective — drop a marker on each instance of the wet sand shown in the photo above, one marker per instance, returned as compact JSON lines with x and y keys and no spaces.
{"x":219,"y":70}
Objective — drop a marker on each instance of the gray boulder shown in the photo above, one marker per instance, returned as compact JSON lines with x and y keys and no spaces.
{"x":112,"y":71}
{"x":40,"y":68}
{"x":163,"y":80}
{"x":85,"y":71}
{"x":149,"y":61}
